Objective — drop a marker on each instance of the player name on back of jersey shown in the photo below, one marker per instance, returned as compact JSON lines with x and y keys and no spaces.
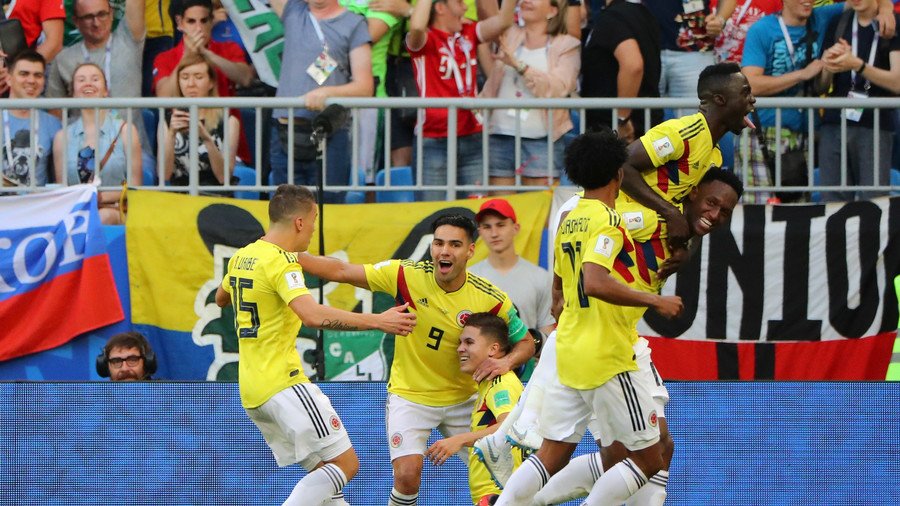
{"x":572,"y":225}
{"x":244,"y":263}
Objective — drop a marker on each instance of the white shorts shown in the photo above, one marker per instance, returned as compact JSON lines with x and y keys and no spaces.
{"x":657,"y":389}
{"x":623,"y":406}
{"x":300,"y":426}
{"x":409,"y":424}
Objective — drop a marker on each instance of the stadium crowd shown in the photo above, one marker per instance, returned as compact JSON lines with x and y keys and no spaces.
{"x":447,"y":48}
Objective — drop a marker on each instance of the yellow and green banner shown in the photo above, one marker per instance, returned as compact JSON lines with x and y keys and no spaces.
{"x":179,"y":246}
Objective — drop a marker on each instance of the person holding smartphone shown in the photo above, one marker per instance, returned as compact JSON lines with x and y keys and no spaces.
{"x":197,"y":78}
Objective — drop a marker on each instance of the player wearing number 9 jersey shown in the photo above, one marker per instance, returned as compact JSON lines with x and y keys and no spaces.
{"x":426,"y":389}
{"x":266,"y":287}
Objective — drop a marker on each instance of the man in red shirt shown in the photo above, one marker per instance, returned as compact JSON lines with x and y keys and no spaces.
{"x":444,"y":54}
{"x":193,"y":18}
{"x":38,"y":16}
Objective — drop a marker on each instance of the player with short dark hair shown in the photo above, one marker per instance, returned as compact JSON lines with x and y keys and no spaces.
{"x":595,"y":269}
{"x":484,"y":336}
{"x":671,"y":158}
{"x":265,"y":283}
{"x":427,"y":389}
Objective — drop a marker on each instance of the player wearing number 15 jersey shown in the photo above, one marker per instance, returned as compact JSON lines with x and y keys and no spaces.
{"x":426,"y":389}
{"x":265,"y":285}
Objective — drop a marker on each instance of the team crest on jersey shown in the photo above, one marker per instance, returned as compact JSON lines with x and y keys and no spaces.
{"x":462,"y":317}
{"x":604,"y":245}
{"x":294,"y":280}
{"x":396,"y":440}
{"x":335,"y":422}
{"x":652,"y":418}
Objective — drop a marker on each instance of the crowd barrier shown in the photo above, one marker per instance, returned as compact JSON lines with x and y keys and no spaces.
{"x":256,"y":128}
{"x":760,"y":444}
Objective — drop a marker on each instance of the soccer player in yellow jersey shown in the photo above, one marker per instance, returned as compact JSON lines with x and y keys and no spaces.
{"x":671,"y":158}
{"x":426,"y":389}
{"x":484,"y":336}
{"x":265,"y":284}
{"x":708,"y":206}
{"x":593,"y":261}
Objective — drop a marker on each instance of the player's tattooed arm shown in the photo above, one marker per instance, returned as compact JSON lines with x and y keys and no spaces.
{"x":337,"y":325}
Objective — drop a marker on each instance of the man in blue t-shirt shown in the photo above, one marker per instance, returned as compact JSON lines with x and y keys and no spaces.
{"x":27,"y":136}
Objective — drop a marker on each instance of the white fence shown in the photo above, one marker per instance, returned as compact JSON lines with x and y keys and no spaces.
{"x":131,"y":110}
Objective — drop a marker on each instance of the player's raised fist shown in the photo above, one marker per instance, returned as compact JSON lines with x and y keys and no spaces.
{"x":669,"y":306}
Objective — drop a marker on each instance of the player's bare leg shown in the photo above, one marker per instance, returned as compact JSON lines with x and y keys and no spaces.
{"x":654,"y":492}
{"x":326,"y":481}
{"x":407,"y":478}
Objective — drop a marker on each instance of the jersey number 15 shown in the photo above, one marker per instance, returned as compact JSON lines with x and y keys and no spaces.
{"x":237,"y":288}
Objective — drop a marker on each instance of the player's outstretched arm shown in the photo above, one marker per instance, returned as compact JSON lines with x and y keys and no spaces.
{"x":599,"y":284}
{"x":634,"y":185}
{"x":393,"y":321}
{"x":223,"y":298}
{"x":442,"y":449}
{"x":333,"y":269}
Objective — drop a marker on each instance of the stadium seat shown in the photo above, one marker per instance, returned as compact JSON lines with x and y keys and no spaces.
{"x":246,"y":177}
{"x":400,"y":176}
{"x":895,"y":180}
{"x":357,"y":197}
{"x":726,"y":146}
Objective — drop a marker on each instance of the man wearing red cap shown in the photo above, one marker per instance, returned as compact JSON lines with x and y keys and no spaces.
{"x":525,"y":283}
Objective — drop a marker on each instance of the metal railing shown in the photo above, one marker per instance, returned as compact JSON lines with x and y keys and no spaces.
{"x":133,"y":106}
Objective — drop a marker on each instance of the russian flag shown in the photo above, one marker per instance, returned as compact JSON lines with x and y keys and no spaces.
{"x":55,"y":278}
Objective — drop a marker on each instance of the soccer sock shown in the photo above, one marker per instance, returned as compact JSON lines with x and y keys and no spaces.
{"x":398,"y":499}
{"x":524,"y":483}
{"x":653,"y":493}
{"x":336,"y":500}
{"x":616,"y":485}
{"x":318,"y":486}
{"x":531,"y":410}
{"x":575,"y":480}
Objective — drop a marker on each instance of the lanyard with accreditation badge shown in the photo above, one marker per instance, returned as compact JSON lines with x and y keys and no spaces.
{"x":855,"y":114}
{"x":324,"y":64}
{"x":107,"y":58}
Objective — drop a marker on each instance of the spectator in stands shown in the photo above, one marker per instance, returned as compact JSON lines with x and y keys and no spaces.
{"x":381,"y":26}
{"x":194,"y":20}
{"x":39,"y":17}
{"x":621,"y":58}
{"x":535,"y":60}
{"x":776,"y":66}
{"x":160,"y":38}
{"x":96,"y":147}
{"x":867,"y":66}
{"x":197,"y":78}
{"x":127,"y":357}
{"x":525,"y":283}
{"x":729,"y":45}
{"x":443,"y":48}
{"x":688,"y":30}
{"x":27,"y":134}
{"x":120,"y":49}
{"x":326,"y":54}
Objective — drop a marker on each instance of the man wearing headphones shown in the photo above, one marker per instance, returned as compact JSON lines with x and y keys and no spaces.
{"x":126,"y":357}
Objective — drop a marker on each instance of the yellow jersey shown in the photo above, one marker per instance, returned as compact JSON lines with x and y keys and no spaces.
{"x":594,"y":338}
{"x":649,"y":233}
{"x":495,"y":398}
{"x":425,"y":369}
{"x":262,"y":279}
{"x":682,"y":150}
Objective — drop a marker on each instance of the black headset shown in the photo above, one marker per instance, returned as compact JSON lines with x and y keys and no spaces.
{"x":146,"y":352}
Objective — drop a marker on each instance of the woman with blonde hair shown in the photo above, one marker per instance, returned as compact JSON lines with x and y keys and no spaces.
{"x":535,"y":59}
{"x":95,"y":148}
{"x":196,"y":77}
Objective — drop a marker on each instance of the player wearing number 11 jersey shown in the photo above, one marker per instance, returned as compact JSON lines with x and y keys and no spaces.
{"x":426,"y":389}
{"x":265,"y":285}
